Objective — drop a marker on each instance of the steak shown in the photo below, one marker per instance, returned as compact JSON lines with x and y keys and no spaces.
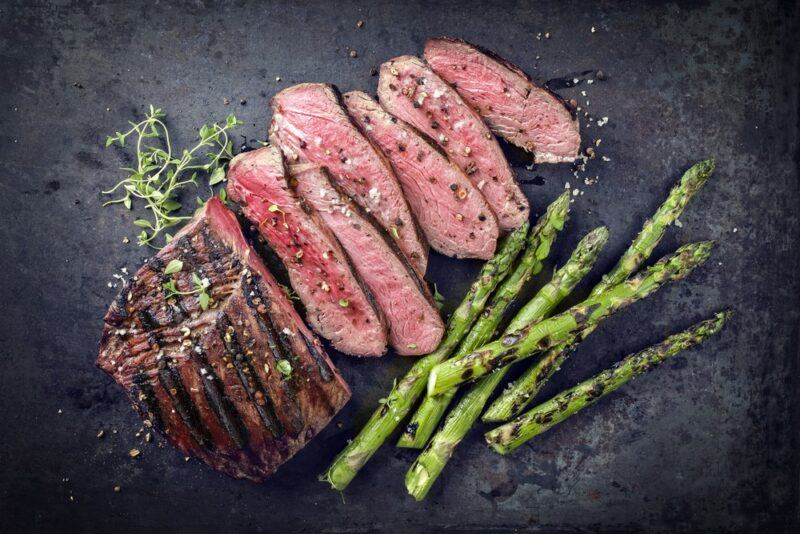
{"x":243,"y":384}
{"x":527,"y":115}
{"x":311,"y":126}
{"x":411,"y":91}
{"x":415,"y":326}
{"x":338,"y":305}
{"x":452,"y":213}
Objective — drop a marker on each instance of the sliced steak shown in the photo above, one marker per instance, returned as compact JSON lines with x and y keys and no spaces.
{"x":514,"y":107}
{"x":311,"y":126}
{"x":411,"y":91}
{"x":415,"y":326}
{"x":243,"y":385}
{"x":338,"y":306}
{"x":452,"y":213}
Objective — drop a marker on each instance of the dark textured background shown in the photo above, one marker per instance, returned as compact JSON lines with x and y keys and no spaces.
{"x":705,"y":443}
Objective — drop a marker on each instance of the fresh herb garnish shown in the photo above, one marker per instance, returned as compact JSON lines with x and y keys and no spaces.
{"x":201,"y":286}
{"x":344,"y":303}
{"x":160,"y":173}
{"x":285,"y":368}
{"x":289,"y":292}
{"x":173,"y":266}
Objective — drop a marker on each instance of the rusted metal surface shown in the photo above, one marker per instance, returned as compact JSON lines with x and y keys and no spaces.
{"x":706,"y":442}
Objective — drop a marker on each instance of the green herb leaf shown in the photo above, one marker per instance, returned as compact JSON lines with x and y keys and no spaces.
{"x":142,"y":223}
{"x":171,"y":205}
{"x":395,"y":233}
{"x":170,"y":288}
{"x":173,"y":266}
{"x":217,"y":176}
{"x":203,"y":299}
{"x":284,"y":367}
{"x":344,"y":303}
{"x":273,"y":208}
{"x":197,"y":280}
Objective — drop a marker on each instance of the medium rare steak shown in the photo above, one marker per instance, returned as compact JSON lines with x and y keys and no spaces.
{"x":415,"y":326}
{"x":243,"y":384}
{"x":514,"y":107}
{"x":338,"y":306}
{"x":411,"y":91}
{"x":452,"y":213}
{"x":311,"y":126}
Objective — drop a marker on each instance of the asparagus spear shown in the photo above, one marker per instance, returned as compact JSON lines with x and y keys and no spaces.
{"x":540,"y":239}
{"x":509,"y":436}
{"x":427,"y":467}
{"x":515,"y":398}
{"x":653,"y":229}
{"x":555,"y":330}
{"x":403,"y":395}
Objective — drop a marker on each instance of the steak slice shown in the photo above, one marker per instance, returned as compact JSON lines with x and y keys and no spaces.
{"x":415,"y":326}
{"x":452,"y":213}
{"x":527,"y":115}
{"x":338,"y":305}
{"x":411,"y":91}
{"x":311,"y":126}
{"x":242,"y":385}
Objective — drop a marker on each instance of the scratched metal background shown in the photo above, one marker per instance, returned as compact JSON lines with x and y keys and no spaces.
{"x":708,"y":442}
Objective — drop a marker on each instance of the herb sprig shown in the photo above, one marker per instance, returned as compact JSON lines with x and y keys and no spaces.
{"x":201,"y":285}
{"x":161,"y":171}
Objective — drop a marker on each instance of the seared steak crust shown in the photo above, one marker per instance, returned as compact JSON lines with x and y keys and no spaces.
{"x":527,"y":115}
{"x":338,"y":305}
{"x":210,"y":380}
{"x":415,"y":326}
{"x":311,"y":126}
{"x":411,"y":91}
{"x":451,"y":211}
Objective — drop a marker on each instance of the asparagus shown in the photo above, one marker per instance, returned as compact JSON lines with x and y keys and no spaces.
{"x":555,"y":330}
{"x":509,"y":436}
{"x":653,"y":229}
{"x":404,"y":393}
{"x":540,"y":239}
{"x":427,"y":467}
{"x":516,"y":397}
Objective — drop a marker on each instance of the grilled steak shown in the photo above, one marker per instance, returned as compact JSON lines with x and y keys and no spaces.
{"x":452,"y":213}
{"x":525,"y":114}
{"x":242,"y":385}
{"x":414,"y":324}
{"x":338,"y":306}
{"x":411,"y":91}
{"x":311,"y":126}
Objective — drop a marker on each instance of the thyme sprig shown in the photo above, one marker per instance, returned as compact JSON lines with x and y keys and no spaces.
{"x":161,"y":170}
{"x":201,"y":286}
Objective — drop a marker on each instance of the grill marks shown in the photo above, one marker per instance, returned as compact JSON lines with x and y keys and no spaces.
{"x":208,"y":379}
{"x":146,"y":401}
{"x":170,"y":380}
{"x":222,"y":406}
{"x":250,"y":381}
{"x":324,"y":369}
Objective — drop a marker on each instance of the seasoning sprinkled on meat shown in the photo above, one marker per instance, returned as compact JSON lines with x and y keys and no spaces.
{"x":204,"y":375}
